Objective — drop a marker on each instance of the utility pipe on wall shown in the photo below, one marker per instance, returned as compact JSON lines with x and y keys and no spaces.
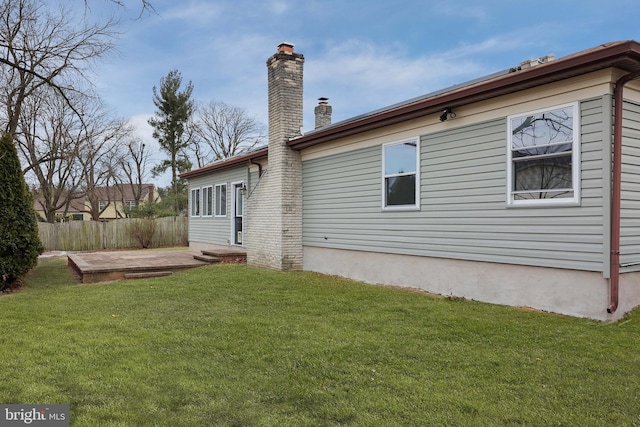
{"x":614,"y":281}
{"x":253,"y":162}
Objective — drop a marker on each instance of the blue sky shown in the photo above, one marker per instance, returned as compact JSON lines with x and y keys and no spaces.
{"x":361,"y":54}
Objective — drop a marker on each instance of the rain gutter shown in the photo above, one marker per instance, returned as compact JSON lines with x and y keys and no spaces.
{"x":614,"y":280}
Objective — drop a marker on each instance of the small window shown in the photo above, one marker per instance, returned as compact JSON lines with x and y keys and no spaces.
{"x":207,"y":201}
{"x":544,"y":157}
{"x":239,"y":200}
{"x":401,"y":177}
{"x":195,"y":202}
{"x":221,"y":200}
{"x":102,"y":205}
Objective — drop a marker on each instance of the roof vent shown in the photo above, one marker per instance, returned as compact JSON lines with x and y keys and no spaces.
{"x":533,"y":62}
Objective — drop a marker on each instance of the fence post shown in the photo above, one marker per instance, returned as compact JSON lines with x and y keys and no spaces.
{"x":104,"y":234}
{"x":174,"y":232}
{"x":55,"y":238}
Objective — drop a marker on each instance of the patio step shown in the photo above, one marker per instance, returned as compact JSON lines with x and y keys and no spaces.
{"x":227,"y":256}
{"x":146,"y":274}
{"x":207,"y":258}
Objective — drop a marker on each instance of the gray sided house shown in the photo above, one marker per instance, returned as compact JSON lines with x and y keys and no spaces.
{"x":519,"y":188}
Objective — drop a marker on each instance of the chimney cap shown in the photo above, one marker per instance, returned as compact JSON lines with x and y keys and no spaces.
{"x":285,"y":47}
{"x":323,"y":101}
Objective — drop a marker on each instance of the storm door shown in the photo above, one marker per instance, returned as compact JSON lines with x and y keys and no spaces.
{"x":238,"y":213}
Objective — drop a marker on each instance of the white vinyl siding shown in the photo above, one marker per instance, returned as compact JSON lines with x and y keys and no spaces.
{"x":463,"y":212}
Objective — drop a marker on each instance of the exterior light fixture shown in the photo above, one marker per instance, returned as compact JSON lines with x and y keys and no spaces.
{"x":447,"y":114}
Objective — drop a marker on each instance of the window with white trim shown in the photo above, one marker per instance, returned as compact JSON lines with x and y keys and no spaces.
{"x":543,"y":166}
{"x":195,"y":202}
{"x":401,"y":175}
{"x":207,"y":201}
{"x":221,"y":200}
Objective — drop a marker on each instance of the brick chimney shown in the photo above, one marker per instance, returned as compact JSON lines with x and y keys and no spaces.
{"x":274,"y":209}
{"x":323,"y":113}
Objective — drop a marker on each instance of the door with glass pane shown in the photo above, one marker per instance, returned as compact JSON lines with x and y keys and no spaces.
{"x":238,"y":213}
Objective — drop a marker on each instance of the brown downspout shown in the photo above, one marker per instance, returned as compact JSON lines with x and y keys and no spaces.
{"x":253,"y":162}
{"x":614,"y":281}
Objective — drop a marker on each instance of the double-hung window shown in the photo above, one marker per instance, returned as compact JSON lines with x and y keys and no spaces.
{"x":207,"y":201}
{"x":195,"y":202}
{"x":544,"y":157}
{"x":221,"y":200}
{"x":401,"y":175}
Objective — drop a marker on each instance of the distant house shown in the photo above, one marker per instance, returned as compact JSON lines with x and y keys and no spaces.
{"x":113,"y":202}
{"x":518,"y":188}
{"x":75,"y":211}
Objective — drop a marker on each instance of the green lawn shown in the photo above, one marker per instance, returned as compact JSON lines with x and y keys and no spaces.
{"x":234,"y":345}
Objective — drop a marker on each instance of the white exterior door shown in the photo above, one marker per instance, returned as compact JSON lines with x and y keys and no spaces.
{"x":238,"y":214}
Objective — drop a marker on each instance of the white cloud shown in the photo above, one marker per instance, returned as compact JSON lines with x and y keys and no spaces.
{"x":361,"y":76}
{"x":194,"y":12}
{"x":381,"y":67}
{"x":493,"y":46}
{"x":143,"y":129}
{"x":279,"y":7}
{"x":369,"y":76}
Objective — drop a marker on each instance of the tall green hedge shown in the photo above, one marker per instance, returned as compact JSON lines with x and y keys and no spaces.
{"x":19,"y":243}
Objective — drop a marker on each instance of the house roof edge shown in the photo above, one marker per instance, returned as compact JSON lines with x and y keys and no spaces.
{"x":620,"y":54}
{"x":227,"y":163}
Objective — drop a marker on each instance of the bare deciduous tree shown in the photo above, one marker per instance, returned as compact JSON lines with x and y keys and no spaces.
{"x":224,"y":130}
{"x":47,"y":144}
{"x":99,"y":153}
{"x":45,"y":47}
{"x":70,"y":159}
{"x":46,"y":97}
{"x":146,"y":4}
{"x":133,"y":171}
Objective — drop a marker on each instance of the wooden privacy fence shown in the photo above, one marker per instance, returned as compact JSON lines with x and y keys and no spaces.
{"x":95,"y":235}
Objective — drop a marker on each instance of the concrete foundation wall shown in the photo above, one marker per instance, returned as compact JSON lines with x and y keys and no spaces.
{"x":570,"y":292}
{"x":629,"y":293}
